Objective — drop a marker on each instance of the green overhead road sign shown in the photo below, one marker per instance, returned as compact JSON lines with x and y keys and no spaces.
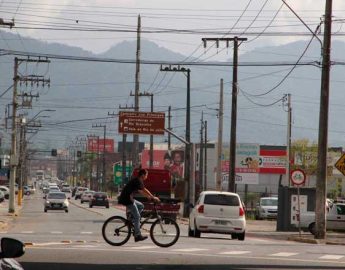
{"x":118,"y":173}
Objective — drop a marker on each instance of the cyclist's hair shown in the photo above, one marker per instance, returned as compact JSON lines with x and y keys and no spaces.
{"x":142,"y":172}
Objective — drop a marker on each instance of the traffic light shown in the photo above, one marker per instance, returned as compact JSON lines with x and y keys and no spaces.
{"x":78,"y":153}
{"x":54,"y":152}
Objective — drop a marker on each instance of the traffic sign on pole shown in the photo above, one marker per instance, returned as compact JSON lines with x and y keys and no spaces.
{"x":298,"y":177}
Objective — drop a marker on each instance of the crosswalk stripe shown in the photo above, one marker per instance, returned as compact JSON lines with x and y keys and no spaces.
{"x":235,"y":252}
{"x":189,"y":249}
{"x":143,"y":247}
{"x":331,"y":257}
{"x":86,"y":232}
{"x":55,"y":232}
{"x":27,"y":232}
{"x":284,"y":254}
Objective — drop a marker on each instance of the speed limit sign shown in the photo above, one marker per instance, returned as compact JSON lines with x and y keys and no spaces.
{"x":298,"y":177}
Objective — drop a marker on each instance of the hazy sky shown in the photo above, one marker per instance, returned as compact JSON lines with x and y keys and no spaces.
{"x":217,"y":15}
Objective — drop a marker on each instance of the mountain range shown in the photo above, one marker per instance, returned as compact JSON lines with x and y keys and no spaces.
{"x":82,"y":90}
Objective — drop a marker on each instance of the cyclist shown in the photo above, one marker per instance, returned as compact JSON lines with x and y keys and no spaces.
{"x":135,"y":207}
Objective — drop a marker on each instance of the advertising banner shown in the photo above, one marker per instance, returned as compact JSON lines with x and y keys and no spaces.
{"x":96,"y":145}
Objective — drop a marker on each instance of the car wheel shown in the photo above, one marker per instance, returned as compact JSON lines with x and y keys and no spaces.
{"x":7,"y":196}
{"x":90,"y":205}
{"x":66,"y":210}
{"x":107,"y":206}
{"x":81,"y":202}
{"x":197,"y":233}
{"x":45,"y":210}
{"x":234,"y":236}
{"x":312,"y":228}
{"x":241,"y":236}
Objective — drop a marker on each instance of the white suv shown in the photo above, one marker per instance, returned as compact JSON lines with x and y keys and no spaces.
{"x":218,"y":212}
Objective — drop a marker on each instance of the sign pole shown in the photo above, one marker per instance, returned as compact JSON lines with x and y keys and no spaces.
{"x":299,"y":211}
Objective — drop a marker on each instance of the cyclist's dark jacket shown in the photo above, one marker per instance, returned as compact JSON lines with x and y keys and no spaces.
{"x":126,"y":196}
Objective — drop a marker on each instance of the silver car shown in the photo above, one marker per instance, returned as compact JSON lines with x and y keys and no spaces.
{"x":267,"y":208}
{"x":56,"y":201}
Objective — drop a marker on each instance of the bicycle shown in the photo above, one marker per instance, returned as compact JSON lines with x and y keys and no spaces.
{"x":164,"y":231}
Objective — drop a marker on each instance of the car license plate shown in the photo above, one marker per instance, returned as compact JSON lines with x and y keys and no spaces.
{"x":99,"y":199}
{"x":220,"y":222}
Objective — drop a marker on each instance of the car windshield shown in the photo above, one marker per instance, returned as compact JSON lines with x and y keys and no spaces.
{"x":269,"y":202}
{"x":57,"y":196}
{"x":221,"y":199}
{"x":100,"y":195}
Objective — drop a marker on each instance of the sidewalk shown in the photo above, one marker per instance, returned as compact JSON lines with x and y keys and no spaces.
{"x":6,"y":217}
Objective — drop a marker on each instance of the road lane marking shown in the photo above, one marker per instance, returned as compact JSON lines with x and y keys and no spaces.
{"x":55,"y":232}
{"x":331,"y":257}
{"x":49,"y":244}
{"x":27,"y":232}
{"x":235,"y":252}
{"x":3,"y":232}
{"x":84,"y":246}
{"x":189,"y":249}
{"x":143,"y":247}
{"x":283,"y":254}
{"x":111,"y":251}
{"x":86,"y":232}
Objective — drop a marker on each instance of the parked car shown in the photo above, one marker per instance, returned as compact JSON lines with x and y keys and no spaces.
{"x":79,"y":191}
{"x":86,"y":196}
{"x":267,"y":208}
{"x":218,"y":212}
{"x":56,"y":201}
{"x":6,"y":191}
{"x":335,"y":218}
{"x":99,"y":199}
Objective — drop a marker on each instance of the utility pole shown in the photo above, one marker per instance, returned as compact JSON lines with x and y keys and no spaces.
{"x":169,"y":127}
{"x":205,"y":148}
{"x":187,"y":173}
{"x":14,"y":158}
{"x":320,"y":213}
{"x":135,"y":149}
{"x":201,"y":153}
{"x":288,"y":143}
{"x":146,"y":94}
{"x":220,"y":139}
{"x":103,"y":184}
{"x":232,"y":157}
{"x":124,"y":145}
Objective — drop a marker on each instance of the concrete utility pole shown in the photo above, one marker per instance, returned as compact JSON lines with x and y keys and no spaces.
{"x":135,"y":148}
{"x":186,"y":71}
{"x":103,"y":184}
{"x":321,"y":180}
{"x":14,"y":158}
{"x":288,"y":143}
{"x":146,"y":94}
{"x":220,"y":139}
{"x":124,"y":146}
{"x":169,"y":127}
{"x":201,"y":153}
{"x":232,"y":157}
{"x":205,"y":156}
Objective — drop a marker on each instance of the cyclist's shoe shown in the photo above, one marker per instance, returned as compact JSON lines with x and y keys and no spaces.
{"x":140,"y":238}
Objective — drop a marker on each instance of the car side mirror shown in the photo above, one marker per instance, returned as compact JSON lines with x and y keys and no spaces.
{"x":11,"y":248}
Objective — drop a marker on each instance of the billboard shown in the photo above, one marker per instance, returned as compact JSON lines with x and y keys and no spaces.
{"x":163,"y":159}
{"x":96,"y":145}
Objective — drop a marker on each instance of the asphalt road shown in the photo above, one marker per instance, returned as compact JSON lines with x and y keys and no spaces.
{"x":59,"y":240}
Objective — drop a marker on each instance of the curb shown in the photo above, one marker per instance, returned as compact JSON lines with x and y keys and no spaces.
{"x":306,"y":240}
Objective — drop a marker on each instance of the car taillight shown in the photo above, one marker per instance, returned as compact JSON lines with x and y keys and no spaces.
{"x":201,"y":209}
{"x":241,"y":212}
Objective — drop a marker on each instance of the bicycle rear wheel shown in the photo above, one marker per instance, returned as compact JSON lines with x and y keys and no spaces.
{"x":116,"y":231}
{"x":164,"y":232}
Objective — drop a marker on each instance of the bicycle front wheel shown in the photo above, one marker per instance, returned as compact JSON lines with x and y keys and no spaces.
{"x":116,"y":231}
{"x":164,"y":232}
